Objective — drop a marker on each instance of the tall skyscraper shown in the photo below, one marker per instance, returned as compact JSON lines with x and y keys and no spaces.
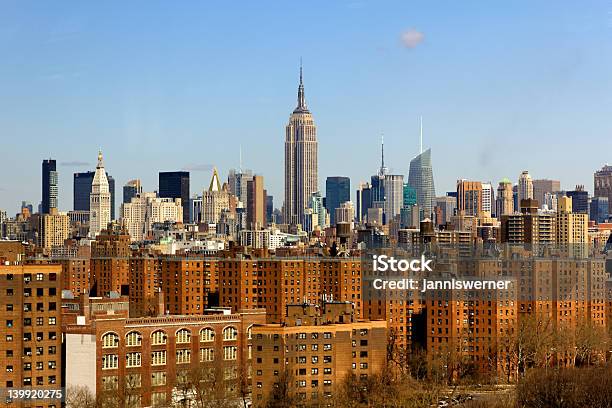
{"x":99,"y":200}
{"x":131,"y":189}
{"x":469,"y":198}
{"x":525,"y":186}
{"x":580,"y":200}
{"x":301,"y":160}
{"x":269,"y":208}
{"x":82,"y":190}
{"x":256,"y":203}
{"x":215,"y":200}
{"x":337,"y":191}
{"x":543,"y":186}
{"x":364,"y":201}
{"x":602,"y":183}
{"x":175,"y":184}
{"x":420,"y":177}
{"x":488,"y":198}
{"x":599,"y":209}
{"x":237,"y":183}
{"x":505,"y":199}
{"x":49,"y":185}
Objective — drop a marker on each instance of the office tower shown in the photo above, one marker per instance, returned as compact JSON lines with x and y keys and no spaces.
{"x":572,"y":228}
{"x":504,"y":204}
{"x":420,"y":177}
{"x":53,"y":229}
{"x":49,"y":185}
{"x":82,"y":190}
{"x":256,"y":204}
{"x":345,"y":213}
{"x":145,"y":209}
{"x":515,"y":197}
{"x":237,"y":183}
{"x":301,"y":161}
{"x":543,"y":186}
{"x":525,"y":186}
{"x":99,"y":200}
{"x":214,"y":200}
{"x":447,"y":206}
{"x":269,"y":209}
{"x":175,"y":184}
{"x":337,"y":191}
{"x":488,"y":198}
{"x":364,"y":201}
{"x":602,"y":183}
{"x":599,"y":209}
{"x":195,"y":208}
{"x":469,"y":198}
{"x":30,"y":312}
{"x":317,"y":210}
{"x":310,"y":344}
{"x":580,"y":200}
{"x":131,"y":189}
{"x":387,"y":191}
{"x":409,"y":196}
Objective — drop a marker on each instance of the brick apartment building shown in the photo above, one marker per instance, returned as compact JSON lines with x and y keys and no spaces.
{"x":314,"y":350}
{"x":30,"y":329}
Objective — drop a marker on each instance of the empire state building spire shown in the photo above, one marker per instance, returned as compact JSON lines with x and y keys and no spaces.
{"x":301,"y":99}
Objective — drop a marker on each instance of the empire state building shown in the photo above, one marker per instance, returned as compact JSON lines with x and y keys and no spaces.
{"x":301,"y":160}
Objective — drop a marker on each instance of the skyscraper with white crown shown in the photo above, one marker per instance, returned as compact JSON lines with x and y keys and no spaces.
{"x":99,"y":200}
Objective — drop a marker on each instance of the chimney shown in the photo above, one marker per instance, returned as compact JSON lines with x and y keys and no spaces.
{"x":85,"y":303}
{"x":160,"y":302}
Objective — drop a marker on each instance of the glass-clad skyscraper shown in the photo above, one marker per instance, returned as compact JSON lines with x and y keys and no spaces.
{"x":420,"y":177}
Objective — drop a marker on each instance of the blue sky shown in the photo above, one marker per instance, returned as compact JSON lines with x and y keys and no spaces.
{"x":502,"y":87}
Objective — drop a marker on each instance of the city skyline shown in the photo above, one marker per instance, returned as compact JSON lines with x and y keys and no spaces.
{"x":540,"y":81}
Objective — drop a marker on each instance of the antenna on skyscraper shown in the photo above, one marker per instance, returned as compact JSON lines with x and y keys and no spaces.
{"x":421,"y":135}
{"x":382,"y":150}
{"x":240,"y":164}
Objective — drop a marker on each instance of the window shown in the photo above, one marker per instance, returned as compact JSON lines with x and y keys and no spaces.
{"x":110,"y":340}
{"x":158,"y":378}
{"x":230,"y":333}
{"x":133,"y":339}
{"x":183,"y":356}
{"x":158,"y":399}
{"x":314,"y":371}
{"x":39,"y":276}
{"x":207,"y":334}
{"x":183,"y":336}
{"x":207,"y":354}
{"x":327,"y":335}
{"x":52,"y":321}
{"x":363,"y":366}
{"x":158,"y":337}
{"x":133,"y":359}
{"x":158,"y":358}
{"x":109,"y":382}
{"x":133,"y":380}
{"x":230,"y":352}
{"x":327,"y":347}
{"x":110,"y":361}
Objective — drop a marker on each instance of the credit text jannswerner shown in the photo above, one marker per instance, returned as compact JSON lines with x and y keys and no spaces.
{"x":384,"y":263}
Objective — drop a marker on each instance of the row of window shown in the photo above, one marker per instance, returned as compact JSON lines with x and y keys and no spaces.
{"x":158,"y":337}
{"x":158,"y":358}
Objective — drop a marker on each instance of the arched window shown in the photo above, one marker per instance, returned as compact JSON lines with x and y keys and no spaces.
{"x":207,"y":334}
{"x":250,"y":332}
{"x":133,"y":338}
{"x":158,"y":337}
{"x":183,"y":336}
{"x":110,"y":340}
{"x":230,"y":333}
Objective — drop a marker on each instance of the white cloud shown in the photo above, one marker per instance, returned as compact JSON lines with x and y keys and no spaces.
{"x":412,"y":37}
